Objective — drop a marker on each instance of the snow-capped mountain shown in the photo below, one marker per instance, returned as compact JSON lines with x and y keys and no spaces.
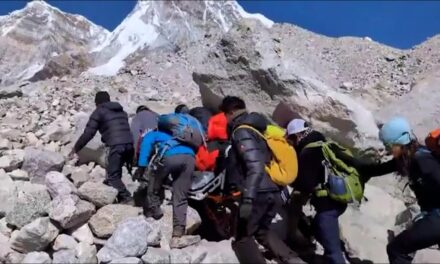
{"x":38,"y":33}
{"x":167,"y":24}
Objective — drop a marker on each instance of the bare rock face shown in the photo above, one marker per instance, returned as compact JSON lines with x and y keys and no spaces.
{"x":39,"y":162}
{"x":35,"y":236}
{"x":106,"y":219}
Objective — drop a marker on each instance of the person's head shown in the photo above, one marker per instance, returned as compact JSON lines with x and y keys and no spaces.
{"x":297,"y":129}
{"x":142,"y":108}
{"x":231,"y":106}
{"x":399,"y":141}
{"x":181,"y":109}
{"x":102,"y":97}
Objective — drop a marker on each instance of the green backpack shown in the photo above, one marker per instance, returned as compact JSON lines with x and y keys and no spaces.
{"x":342,"y":182}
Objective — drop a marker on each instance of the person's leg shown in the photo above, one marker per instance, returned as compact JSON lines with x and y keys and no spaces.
{"x":115,"y":161}
{"x":422,"y":234}
{"x":327,"y":234}
{"x":182,"y":168}
{"x":268,"y":238}
{"x":153,"y":199}
{"x":244,"y":244}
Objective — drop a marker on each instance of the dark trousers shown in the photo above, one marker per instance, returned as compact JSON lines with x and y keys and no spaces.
{"x":422,"y":234}
{"x":181,"y":168}
{"x":326,"y":226}
{"x":117,"y":157}
{"x":264,"y":210}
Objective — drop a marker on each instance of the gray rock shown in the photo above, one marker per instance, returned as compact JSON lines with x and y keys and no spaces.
{"x":98,"y":193}
{"x":128,"y":240}
{"x":14,"y":257}
{"x":86,"y":253}
{"x":67,"y":256}
{"x":97,"y":174}
{"x":154,"y":238}
{"x":58,"y":130}
{"x":130,"y":260}
{"x":7,"y":193}
{"x":70,"y":211}
{"x":19,"y":175}
{"x":64,"y":241}
{"x":30,"y":202}
{"x":104,"y":222}
{"x":5,"y":144}
{"x":58,"y":184}
{"x":12,"y":159}
{"x":10,"y":92}
{"x":184,"y":241}
{"x":217,"y":252}
{"x":35,"y":236}
{"x":82,"y":234}
{"x":37,"y":257}
{"x":80,"y":175}
{"x":179,"y":256}
{"x":156,"y":256}
{"x":4,"y":228}
{"x":39,"y":162}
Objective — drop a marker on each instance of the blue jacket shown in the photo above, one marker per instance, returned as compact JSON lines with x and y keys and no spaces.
{"x":160,"y":139}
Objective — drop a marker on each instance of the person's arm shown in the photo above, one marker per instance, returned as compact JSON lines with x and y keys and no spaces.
{"x":253,"y":157}
{"x":310,"y":171}
{"x":146,"y":148}
{"x":89,"y":132}
{"x":430,"y":168}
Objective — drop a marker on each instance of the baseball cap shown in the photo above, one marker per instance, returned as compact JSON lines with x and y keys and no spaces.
{"x":296,"y":126}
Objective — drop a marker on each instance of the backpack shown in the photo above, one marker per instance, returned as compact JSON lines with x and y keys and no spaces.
{"x":202,"y":114}
{"x":432,"y":141}
{"x":218,"y":127}
{"x":183,"y":128}
{"x":342,"y":182}
{"x":283,"y":167}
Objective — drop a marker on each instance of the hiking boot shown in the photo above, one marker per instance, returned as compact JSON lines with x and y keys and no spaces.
{"x":184,"y":241}
{"x":154,"y":212}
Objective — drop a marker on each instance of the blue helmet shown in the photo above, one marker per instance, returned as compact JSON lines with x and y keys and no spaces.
{"x":397,"y":131}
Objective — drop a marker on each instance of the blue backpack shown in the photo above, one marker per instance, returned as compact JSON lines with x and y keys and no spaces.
{"x":183,"y":128}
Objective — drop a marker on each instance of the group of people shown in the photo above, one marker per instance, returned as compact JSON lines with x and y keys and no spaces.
{"x":243,"y":155}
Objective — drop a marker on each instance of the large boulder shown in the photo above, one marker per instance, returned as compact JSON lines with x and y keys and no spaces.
{"x":95,"y":150}
{"x":63,"y":242}
{"x":67,"y":256}
{"x":39,"y":162}
{"x":70,"y":211}
{"x":29,"y":202}
{"x":86,"y":253}
{"x":37,"y":258}
{"x":58,"y":184}
{"x":12,"y":159}
{"x":128,"y":240}
{"x":35,"y":236}
{"x":371,"y":222}
{"x":7,"y":191}
{"x":104,"y":222}
{"x":58,"y":130}
{"x":98,"y":193}
{"x":82,"y":234}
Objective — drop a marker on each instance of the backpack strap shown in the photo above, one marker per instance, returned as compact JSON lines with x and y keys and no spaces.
{"x":249,"y":127}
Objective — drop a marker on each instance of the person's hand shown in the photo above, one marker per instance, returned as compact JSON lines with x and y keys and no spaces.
{"x":139,"y":174}
{"x":246,"y":209}
{"x":73,"y":155}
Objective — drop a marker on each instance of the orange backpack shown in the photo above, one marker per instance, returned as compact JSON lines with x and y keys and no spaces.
{"x":432,"y":141}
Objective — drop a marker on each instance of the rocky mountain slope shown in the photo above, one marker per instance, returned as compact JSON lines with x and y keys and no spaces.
{"x":38,"y":36}
{"x":194,"y":52}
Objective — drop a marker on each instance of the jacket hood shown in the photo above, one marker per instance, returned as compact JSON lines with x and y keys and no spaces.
{"x":314,"y":136}
{"x":255,"y":120}
{"x":114,"y":106}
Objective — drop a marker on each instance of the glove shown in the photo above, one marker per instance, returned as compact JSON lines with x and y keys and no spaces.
{"x":139,"y":174}
{"x":246,"y":209}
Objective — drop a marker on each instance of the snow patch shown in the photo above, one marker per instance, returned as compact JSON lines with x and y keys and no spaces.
{"x":133,"y":33}
{"x":31,"y":71}
{"x":266,"y":22}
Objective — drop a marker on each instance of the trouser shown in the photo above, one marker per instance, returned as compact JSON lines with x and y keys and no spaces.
{"x":326,"y":226}
{"x":263,"y":211}
{"x":422,"y":234}
{"x":181,"y":168}
{"x":118,"y":156}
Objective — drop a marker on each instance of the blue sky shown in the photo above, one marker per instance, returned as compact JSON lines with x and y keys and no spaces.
{"x":401,"y":24}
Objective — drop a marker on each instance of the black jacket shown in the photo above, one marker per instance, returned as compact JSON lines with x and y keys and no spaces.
{"x":424,"y":176}
{"x":249,"y":155}
{"x":112,"y":123}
